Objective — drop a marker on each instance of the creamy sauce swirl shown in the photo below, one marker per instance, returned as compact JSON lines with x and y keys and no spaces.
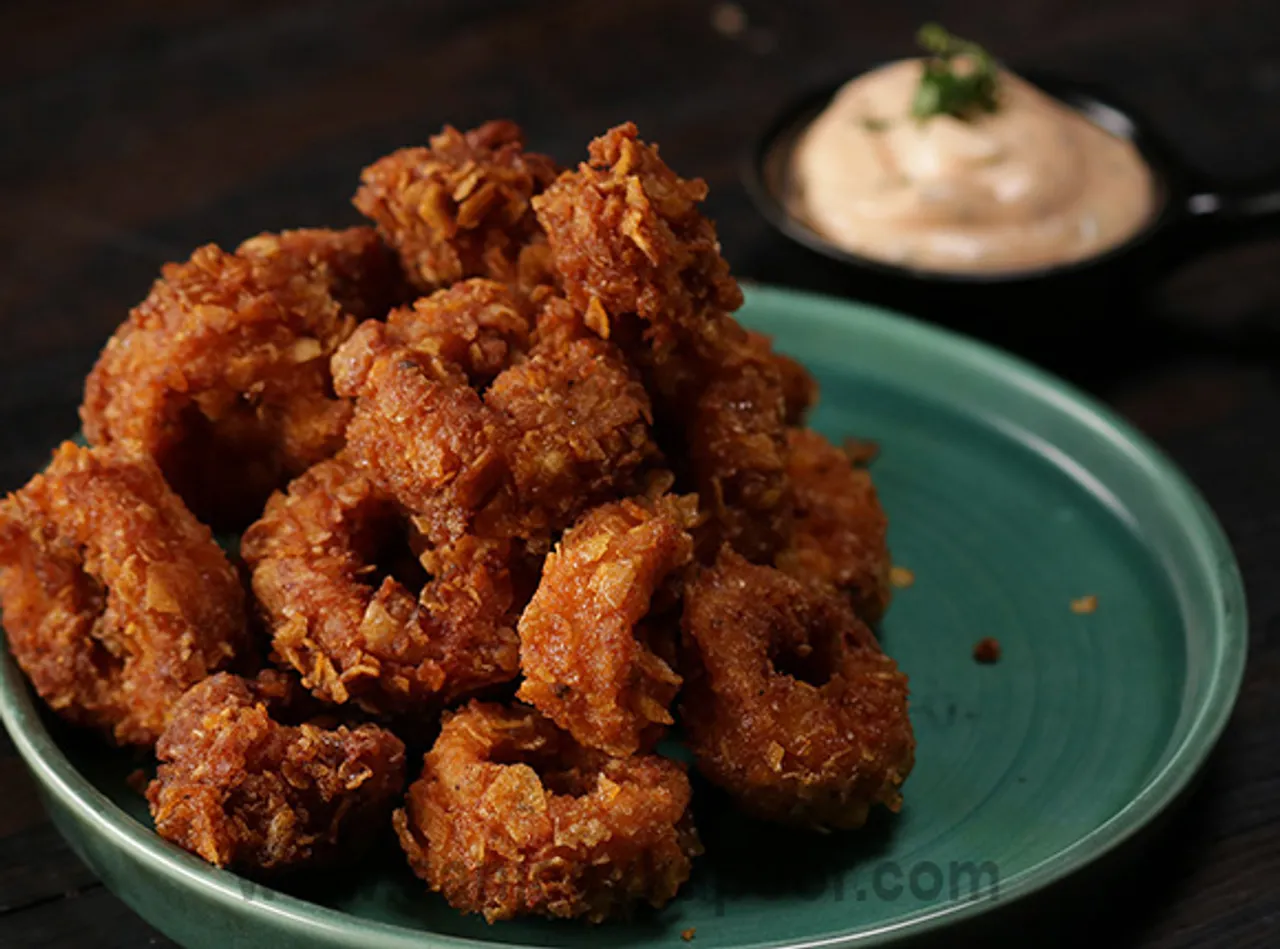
{"x":1032,"y":184}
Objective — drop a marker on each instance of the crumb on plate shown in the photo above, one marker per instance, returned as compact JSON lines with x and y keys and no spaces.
{"x":901,"y":577}
{"x":1084,"y":604}
{"x":987,"y":650}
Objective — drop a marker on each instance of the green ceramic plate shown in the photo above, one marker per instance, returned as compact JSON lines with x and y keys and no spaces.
{"x":1010,"y":495}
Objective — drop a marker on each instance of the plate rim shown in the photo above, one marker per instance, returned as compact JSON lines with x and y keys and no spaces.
{"x":58,"y":777}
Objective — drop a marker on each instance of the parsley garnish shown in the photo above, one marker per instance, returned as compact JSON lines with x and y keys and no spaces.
{"x":943,"y":90}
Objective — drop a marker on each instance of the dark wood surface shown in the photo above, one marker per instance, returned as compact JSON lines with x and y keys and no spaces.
{"x":132,"y":131}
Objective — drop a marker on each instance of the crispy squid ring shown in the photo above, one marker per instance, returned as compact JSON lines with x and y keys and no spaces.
{"x":460,"y":208}
{"x":736,"y":440}
{"x":477,"y":325}
{"x":368,"y":613}
{"x":840,"y":529}
{"x":585,"y":662}
{"x":799,"y":388}
{"x":222,"y":374}
{"x":789,"y":703}
{"x":241,"y":790}
{"x":512,"y":816}
{"x":419,"y":431}
{"x":580,"y":434}
{"x":116,"y":599}
{"x":628,"y":238}
{"x":640,"y":261}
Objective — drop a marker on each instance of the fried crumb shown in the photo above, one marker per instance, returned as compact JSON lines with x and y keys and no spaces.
{"x":987,"y":651}
{"x":688,"y":934}
{"x":728,"y":19}
{"x":1084,"y":604}
{"x":137,"y":781}
{"x":860,"y":452}
{"x":901,"y":577}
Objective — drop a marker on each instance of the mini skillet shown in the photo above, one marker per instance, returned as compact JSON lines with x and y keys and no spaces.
{"x":1194,"y":215}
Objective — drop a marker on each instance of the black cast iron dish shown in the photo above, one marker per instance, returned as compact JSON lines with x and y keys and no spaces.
{"x":1194,"y":217}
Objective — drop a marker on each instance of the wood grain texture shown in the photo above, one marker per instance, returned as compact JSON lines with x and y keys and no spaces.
{"x":133,"y":131}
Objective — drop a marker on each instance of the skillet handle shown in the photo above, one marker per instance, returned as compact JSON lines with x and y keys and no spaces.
{"x":1225,"y":216}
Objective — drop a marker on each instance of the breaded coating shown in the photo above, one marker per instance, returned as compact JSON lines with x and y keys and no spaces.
{"x":581,"y":432}
{"x":799,"y":388}
{"x":642,"y":264}
{"x":116,"y":599}
{"x":477,"y":325}
{"x":789,"y":703}
{"x":460,"y":208}
{"x":366,"y":611}
{"x":585,"y":665}
{"x":420,"y":432}
{"x":361,"y":272}
{"x":511,"y":816}
{"x":243,"y":791}
{"x":222,"y":374}
{"x":628,"y":238}
{"x":736,"y":440}
{"x":557,"y":324}
{"x":840,"y":529}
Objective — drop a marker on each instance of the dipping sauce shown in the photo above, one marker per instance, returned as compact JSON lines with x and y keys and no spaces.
{"x":1032,"y":184}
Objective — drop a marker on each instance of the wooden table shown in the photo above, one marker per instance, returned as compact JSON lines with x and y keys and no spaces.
{"x":132,"y":131}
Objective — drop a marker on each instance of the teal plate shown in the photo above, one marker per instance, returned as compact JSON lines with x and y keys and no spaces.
{"x":1010,"y":496}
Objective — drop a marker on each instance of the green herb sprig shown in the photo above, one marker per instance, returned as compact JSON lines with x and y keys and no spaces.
{"x":943,"y":90}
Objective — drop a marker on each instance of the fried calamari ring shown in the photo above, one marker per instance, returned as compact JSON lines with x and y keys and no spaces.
{"x":580,"y":421}
{"x":789,"y":703}
{"x":420,"y":432}
{"x":477,"y":325}
{"x":222,"y":373}
{"x":631,"y":246}
{"x":736,"y":440}
{"x":511,"y":816}
{"x":432,"y":627}
{"x":241,"y":790}
{"x":627,"y":237}
{"x":561,"y":430}
{"x":799,"y":388}
{"x":584,"y":661}
{"x":840,"y":527}
{"x":460,"y":208}
{"x":116,"y":599}
{"x":360,"y":271}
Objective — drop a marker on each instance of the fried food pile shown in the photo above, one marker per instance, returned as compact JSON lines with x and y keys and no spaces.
{"x":511,"y":484}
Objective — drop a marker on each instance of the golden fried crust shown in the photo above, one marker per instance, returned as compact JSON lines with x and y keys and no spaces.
{"x":362,"y":273}
{"x":222,"y":373}
{"x":736,"y":439}
{"x":628,"y":237}
{"x":580,"y":420}
{"x":241,"y":790}
{"x":511,"y":816}
{"x":367,"y":616}
{"x":789,"y":703}
{"x":477,"y":325}
{"x":583,"y":665}
{"x":631,"y":246}
{"x":420,"y":432}
{"x":799,"y":388}
{"x":460,"y":208}
{"x":840,"y":531}
{"x":116,"y":599}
